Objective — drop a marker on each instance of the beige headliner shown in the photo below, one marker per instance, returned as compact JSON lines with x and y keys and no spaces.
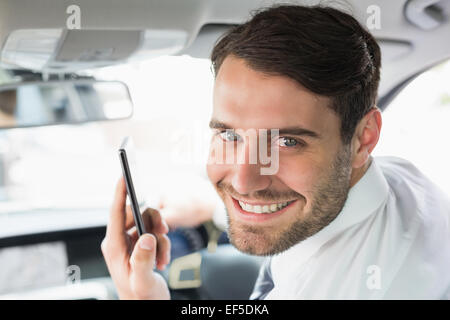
{"x":408,"y":51}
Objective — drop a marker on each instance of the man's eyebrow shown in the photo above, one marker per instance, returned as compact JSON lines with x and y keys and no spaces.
{"x":295,"y":131}
{"x":214,"y":124}
{"x":299,"y":131}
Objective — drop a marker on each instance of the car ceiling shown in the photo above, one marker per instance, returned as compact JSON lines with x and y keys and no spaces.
{"x":407,"y":48}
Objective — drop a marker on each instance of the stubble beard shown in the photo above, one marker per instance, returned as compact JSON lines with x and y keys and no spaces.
{"x":330,"y":194}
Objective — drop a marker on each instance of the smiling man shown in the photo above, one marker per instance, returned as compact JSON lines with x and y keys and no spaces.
{"x":335,"y":222}
{"x":314,"y":175}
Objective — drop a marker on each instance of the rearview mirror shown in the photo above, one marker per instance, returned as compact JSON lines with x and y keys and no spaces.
{"x":42,"y":103}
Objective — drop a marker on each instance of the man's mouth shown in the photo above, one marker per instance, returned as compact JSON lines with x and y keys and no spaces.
{"x":260,"y":212}
{"x":263,"y":208}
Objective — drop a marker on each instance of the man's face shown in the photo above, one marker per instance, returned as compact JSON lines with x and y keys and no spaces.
{"x":267,"y":214}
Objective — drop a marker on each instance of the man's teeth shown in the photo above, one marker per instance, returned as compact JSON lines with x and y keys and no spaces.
{"x":263,"y":209}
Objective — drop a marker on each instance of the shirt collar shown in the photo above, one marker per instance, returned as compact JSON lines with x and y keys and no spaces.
{"x":363,"y":199}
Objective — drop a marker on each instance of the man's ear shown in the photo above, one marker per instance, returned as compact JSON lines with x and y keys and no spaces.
{"x":366,"y":137}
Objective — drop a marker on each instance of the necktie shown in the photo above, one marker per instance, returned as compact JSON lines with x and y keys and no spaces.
{"x":264,"y":283}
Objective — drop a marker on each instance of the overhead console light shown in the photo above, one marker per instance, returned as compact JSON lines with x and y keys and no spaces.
{"x":84,"y":49}
{"x":31,"y":48}
{"x":55,"y":50}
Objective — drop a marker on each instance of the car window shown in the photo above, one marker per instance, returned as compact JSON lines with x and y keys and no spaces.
{"x":68,"y":166}
{"x":415,"y":125}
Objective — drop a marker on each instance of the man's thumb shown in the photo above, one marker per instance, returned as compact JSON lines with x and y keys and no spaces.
{"x":143,"y":257}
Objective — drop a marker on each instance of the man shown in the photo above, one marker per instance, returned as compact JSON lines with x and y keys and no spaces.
{"x":336,"y":223}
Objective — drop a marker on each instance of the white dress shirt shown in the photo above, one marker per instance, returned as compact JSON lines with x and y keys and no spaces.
{"x":390,"y":241}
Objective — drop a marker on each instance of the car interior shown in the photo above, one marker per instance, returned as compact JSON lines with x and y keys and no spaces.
{"x":78,"y":76}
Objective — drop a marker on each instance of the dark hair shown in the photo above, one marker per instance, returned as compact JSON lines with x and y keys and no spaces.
{"x":325,"y":50}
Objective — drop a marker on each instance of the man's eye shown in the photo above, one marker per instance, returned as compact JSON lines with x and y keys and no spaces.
{"x":288,"y":142}
{"x":229,"y":135}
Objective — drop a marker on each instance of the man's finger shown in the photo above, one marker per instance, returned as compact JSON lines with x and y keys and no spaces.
{"x":163,"y":247}
{"x":115,"y":230}
{"x":129,"y":218}
{"x":143,"y":257}
{"x":163,"y":252}
{"x":152,"y":219}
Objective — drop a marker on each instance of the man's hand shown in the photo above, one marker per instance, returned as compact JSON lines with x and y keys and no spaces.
{"x":131,"y":259}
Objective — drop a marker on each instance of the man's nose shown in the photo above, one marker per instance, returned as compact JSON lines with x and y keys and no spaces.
{"x":247,"y":178}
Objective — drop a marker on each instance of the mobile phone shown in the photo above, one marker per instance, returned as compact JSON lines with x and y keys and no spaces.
{"x":125,"y":151}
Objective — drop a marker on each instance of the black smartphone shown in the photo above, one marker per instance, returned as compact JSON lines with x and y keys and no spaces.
{"x":125,"y":152}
